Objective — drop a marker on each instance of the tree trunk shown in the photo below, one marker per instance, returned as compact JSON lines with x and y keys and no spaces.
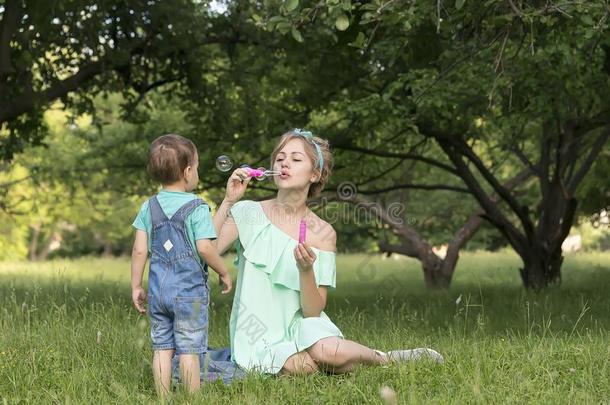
{"x":541,"y":268}
{"x":542,"y":255}
{"x":46,"y":250}
{"x":437,"y":272}
{"x":34,"y":242}
{"x":107,"y":252}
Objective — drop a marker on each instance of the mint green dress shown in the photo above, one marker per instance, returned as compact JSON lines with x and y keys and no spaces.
{"x":267,"y":325}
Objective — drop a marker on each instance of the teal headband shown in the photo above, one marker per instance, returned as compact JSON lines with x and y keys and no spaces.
{"x":309,"y":136}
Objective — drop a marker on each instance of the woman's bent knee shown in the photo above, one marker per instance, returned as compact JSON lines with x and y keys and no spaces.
{"x":299,"y":363}
{"x":327,"y":352}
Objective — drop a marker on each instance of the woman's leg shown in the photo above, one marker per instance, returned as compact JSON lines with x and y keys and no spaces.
{"x":299,"y":363}
{"x":338,"y":355}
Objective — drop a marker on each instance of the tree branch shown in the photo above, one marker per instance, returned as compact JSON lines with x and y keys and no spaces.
{"x":584,"y":168}
{"x":515,"y":9}
{"x":521,"y":155}
{"x":144,"y":90}
{"x":404,"y":249}
{"x":464,"y":234}
{"x":514,"y":236}
{"x":416,"y":187}
{"x":406,"y":156}
{"x":382,"y":174}
{"x":8,"y":25}
{"x":26,"y":102}
{"x":417,"y":243}
{"x":448,"y":144}
{"x":498,"y":188}
{"x":29,"y":99}
{"x":13,"y":182}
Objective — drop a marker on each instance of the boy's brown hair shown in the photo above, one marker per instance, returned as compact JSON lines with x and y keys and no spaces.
{"x":168,"y":156}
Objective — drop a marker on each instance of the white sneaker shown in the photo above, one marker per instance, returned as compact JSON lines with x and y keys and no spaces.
{"x":415,"y":354}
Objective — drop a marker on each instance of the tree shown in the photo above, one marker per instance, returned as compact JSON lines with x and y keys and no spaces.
{"x":71,"y":51}
{"x":311,"y":80}
{"x":496,"y":87}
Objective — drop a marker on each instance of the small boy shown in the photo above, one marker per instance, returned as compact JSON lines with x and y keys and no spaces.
{"x":174,"y":226}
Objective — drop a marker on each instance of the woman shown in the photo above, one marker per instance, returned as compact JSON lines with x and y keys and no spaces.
{"x":278,"y":324}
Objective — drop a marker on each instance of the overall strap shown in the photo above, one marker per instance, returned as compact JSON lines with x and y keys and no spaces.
{"x":156,"y":211}
{"x":186,"y":209}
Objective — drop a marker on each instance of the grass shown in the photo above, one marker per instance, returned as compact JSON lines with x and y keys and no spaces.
{"x":502,"y":344}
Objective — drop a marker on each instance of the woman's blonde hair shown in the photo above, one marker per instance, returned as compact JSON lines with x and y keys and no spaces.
{"x":310,"y":149}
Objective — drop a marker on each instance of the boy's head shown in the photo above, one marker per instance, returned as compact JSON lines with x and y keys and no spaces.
{"x":173,"y":158}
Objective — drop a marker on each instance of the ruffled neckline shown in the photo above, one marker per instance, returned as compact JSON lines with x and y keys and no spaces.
{"x":269,"y":249}
{"x":264,"y":215}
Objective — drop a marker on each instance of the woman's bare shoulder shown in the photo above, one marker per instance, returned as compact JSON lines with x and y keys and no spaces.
{"x":321,"y":234}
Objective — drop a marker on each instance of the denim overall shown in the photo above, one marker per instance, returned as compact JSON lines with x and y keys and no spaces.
{"x":178,"y":293}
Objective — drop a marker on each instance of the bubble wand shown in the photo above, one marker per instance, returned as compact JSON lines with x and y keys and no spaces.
{"x":261,"y":173}
{"x":302,"y":231}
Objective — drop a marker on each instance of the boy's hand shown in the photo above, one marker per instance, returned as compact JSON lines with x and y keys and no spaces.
{"x":225,"y":281}
{"x":138,"y":296}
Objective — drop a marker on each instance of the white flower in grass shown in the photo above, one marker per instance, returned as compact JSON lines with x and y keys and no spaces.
{"x":459,"y":299}
{"x":388,"y":395}
{"x":98,"y":338}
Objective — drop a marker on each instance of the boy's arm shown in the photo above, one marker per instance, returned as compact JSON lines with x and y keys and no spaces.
{"x":139,"y":254}
{"x":208,"y":252}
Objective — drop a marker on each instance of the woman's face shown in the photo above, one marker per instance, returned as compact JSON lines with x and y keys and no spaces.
{"x":295,"y":166}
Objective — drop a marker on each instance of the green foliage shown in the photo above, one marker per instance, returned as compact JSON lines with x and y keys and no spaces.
{"x":13,"y":216}
{"x":362,"y":74}
{"x":73,"y":50}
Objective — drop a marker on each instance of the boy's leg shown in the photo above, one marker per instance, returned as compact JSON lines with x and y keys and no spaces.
{"x":191,"y":337}
{"x":162,"y":371}
{"x":189,"y":371}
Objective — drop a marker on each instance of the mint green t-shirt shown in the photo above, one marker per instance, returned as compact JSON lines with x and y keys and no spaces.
{"x":199,"y":223}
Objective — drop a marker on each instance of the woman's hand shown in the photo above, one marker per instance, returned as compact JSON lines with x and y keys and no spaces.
{"x":304,"y":256}
{"x":236,"y":185}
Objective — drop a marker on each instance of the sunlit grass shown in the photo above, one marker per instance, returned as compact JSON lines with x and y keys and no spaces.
{"x":69,"y":334}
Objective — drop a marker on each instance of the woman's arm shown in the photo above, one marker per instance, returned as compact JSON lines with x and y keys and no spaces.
{"x":313,"y":298}
{"x":226,"y":230}
{"x":221,"y":215}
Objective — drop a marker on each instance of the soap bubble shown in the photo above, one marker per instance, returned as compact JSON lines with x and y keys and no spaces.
{"x":224,"y":163}
{"x":263,"y":177}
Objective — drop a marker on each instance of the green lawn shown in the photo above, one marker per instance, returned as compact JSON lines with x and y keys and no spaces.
{"x":501,"y":343}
